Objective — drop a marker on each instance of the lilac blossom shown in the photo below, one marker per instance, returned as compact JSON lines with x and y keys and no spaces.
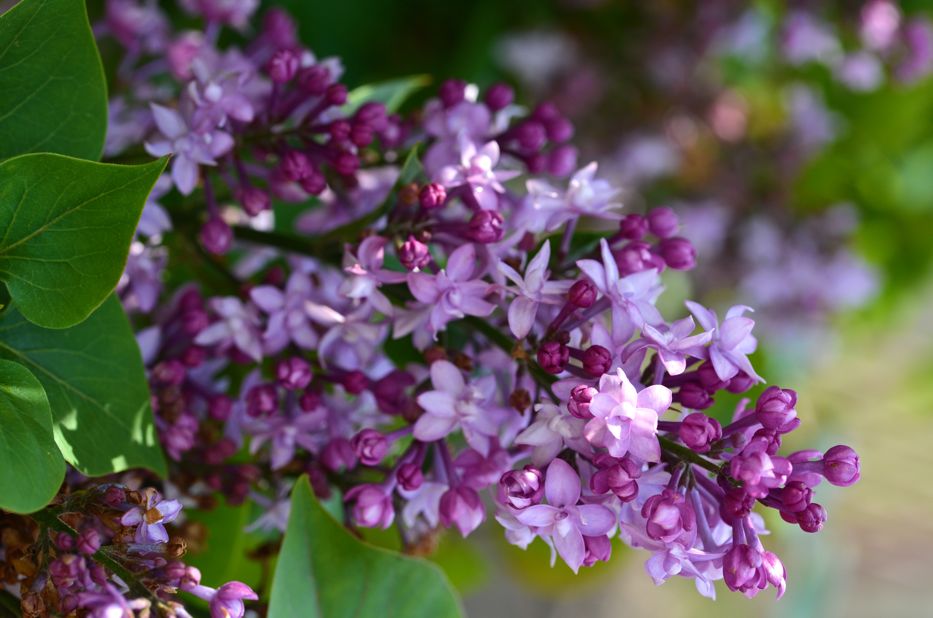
{"x":289,"y":320}
{"x":674,"y":344}
{"x":151,"y":517}
{"x":238,"y":326}
{"x":732,"y":340}
{"x":532,"y":290}
{"x":548,"y":208}
{"x":477,"y":173}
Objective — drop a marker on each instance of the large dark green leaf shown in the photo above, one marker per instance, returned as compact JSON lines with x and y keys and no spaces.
{"x":65,"y":230}
{"x":392,"y":93}
{"x":31,"y":468}
{"x":93,"y":375}
{"x":323,"y":571}
{"x":53,"y":97}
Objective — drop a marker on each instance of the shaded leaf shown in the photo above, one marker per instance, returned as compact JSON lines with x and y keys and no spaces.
{"x":392,"y":93}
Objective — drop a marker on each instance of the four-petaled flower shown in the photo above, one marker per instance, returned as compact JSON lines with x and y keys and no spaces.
{"x":151,"y":517}
{"x":532,"y":290}
{"x":732,"y":340}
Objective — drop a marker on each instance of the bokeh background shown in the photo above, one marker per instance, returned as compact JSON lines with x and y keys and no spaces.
{"x":796,"y":141}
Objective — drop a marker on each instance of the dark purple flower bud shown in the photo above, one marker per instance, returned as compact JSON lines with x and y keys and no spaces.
{"x":314,"y":79}
{"x":553,"y":356}
{"x":169,"y":373}
{"x":372,"y":506}
{"x":775,"y":407}
{"x":346,"y":163}
{"x":339,"y":455}
{"x":414,"y":254}
{"x":678,"y":253}
{"x":562,"y":160}
{"x":114,"y":496}
{"x":432,"y":195}
{"x":65,"y":570}
{"x":795,"y":496}
{"x":193,"y":356}
{"x":336,"y":94}
{"x":633,"y":227}
{"x":282,"y":66}
{"x":545,"y":111}
{"x":314,"y":182}
{"x":461,"y":507}
{"x":693,"y":396}
{"x":410,"y":477}
{"x":580,"y":398}
{"x":452,"y":91}
{"x":522,"y":488}
{"x":635,"y":257}
{"x":698,"y":431}
{"x":293,"y":373}
{"x":194,"y":321}
{"x":559,"y":129}
{"x":295,"y":165}
{"x":216,"y":236}
{"x":389,"y":391}
{"x":262,"y":400}
{"x":735,"y":505}
{"x":663,"y":222}
{"x":709,"y":380}
{"x":309,"y":401}
{"x":740,"y":568}
{"x":812,"y":518}
{"x":485,"y":227}
{"x":340,"y":130}
{"x":370,"y":446}
{"x":620,"y":476}
{"x":841,"y":466}
{"x":668,"y":516}
{"x":355,"y":382}
{"x":597,"y":360}
{"x":499,"y":96}
{"x":88,"y":542}
{"x":770,"y":439}
{"x":373,"y":115}
{"x":739,"y":383}
{"x":254,"y":200}
{"x":582,"y":294}
{"x":531,"y":136}
{"x":598,"y":549}
{"x":64,"y":542}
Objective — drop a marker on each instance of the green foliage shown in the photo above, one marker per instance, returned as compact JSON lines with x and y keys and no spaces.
{"x":53,"y":97}
{"x":223,"y":554}
{"x":393,"y":93}
{"x":67,"y":226}
{"x":324,"y":571}
{"x":31,"y":467}
{"x":93,"y":375}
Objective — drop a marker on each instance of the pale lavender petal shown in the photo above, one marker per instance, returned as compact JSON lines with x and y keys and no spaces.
{"x":595,"y":519}
{"x":267,"y":297}
{"x":537,"y":515}
{"x":522,"y":313}
{"x":423,"y":287}
{"x":430,"y":427}
{"x":461,"y":263}
{"x":655,"y":397}
{"x":562,"y":485}
{"x":438,"y":403}
{"x":571,"y":547}
{"x":446,"y":377}
{"x":704,"y":316}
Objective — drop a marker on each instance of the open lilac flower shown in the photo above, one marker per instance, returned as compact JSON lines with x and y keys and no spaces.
{"x":732,"y":340}
{"x":548,"y":208}
{"x":151,"y":517}
{"x":562,"y":518}
{"x":289,"y":321}
{"x":477,"y":173}
{"x":625,"y":421}
{"x":552,"y":430}
{"x":673,"y":343}
{"x":366,"y":273}
{"x":532,"y":290}
{"x":238,"y":325}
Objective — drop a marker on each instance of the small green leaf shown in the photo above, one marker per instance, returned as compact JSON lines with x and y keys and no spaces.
{"x":393,"y":93}
{"x":323,"y":571}
{"x":94,"y":378}
{"x":31,"y":467}
{"x":66,"y":228}
{"x":53,"y":96}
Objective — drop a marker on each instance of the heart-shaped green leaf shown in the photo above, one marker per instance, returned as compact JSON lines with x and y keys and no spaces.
{"x":31,"y":467}
{"x":65,"y":230}
{"x":53,"y":96}
{"x":323,"y":571}
{"x":94,"y":378}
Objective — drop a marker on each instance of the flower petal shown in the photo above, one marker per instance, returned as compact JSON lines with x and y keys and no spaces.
{"x":562,"y":485}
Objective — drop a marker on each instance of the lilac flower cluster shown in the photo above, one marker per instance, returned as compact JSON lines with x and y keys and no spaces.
{"x":492,"y":326}
{"x":106,"y":553}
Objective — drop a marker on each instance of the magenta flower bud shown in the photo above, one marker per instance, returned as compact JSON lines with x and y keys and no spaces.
{"x":336,"y":94}
{"x":194,"y":321}
{"x":282,"y":66}
{"x":522,"y":488}
{"x":314,"y":79}
{"x":462,"y":507}
{"x":309,"y":401}
{"x":812,"y":518}
{"x":740,"y":568}
{"x":619,"y":476}
{"x":774,"y":571}
{"x":389,"y":391}
{"x":841,"y":466}
{"x":698,"y":431}
{"x":562,"y":160}
{"x":262,"y":400}
{"x":693,"y":396}
{"x":355,"y":382}
{"x":451,"y":92}
{"x":64,"y":541}
{"x":775,"y":407}
{"x":216,"y":236}
{"x":582,"y":294}
{"x":295,"y":165}
{"x":499,"y":96}
{"x":663,"y":222}
{"x":795,"y":496}
{"x":414,"y":254}
{"x":432,"y":195}
{"x":169,"y":373}
{"x":409,"y":476}
{"x":314,"y":182}
{"x":346,"y":163}
{"x":114,"y":496}
{"x":633,"y":227}
{"x":559,"y":129}
{"x":88,"y":542}
{"x":531,"y":136}
{"x":580,"y":398}
{"x":228,"y":600}
{"x":709,"y":380}
{"x":254,"y":200}
{"x":678,"y":253}
{"x":370,"y":446}
{"x":545,"y":111}
{"x":635,"y":257}
{"x":668,"y":516}
{"x":373,"y":115}
{"x":739,"y":383}
{"x":597,"y":360}
{"x":293,"y":373}
{"x":598,"y":549}
{"x":339,"y":455}
{"x":485,"y":227}
{"x":536,"y":163}
{"x":770,"y":439}
{"x":553,"y":356}
{"x":735,"y":505}
{"x":372,"y":506}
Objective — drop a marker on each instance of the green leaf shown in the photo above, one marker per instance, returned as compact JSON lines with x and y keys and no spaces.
{"x":53,"y":97}
{"x":31,"y":467}
{"x":323,"y":571}
{"x":223,"y":554}
{"x":393,"y":93}
{"x":66,"y":229}
{"x":94,"y":378}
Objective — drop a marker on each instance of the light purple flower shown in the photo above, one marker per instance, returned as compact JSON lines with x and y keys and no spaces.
{"x":235,"y":13}
{"x":226,"y":601}
{"x":424,"y":502}
{"x":548,"y":208}
{"x":563,"y":519}
{"x":532,"y":290}
{"x":625,"y":421}
{"x":190,"y":148}
{"x":553,"y":429}
{"x":238,"y":325}
{"x":351,"y":340}
{"x":674,"y":344}
{"x":219,"y":97}
{"x":285,"y":434}
{"x":289,"y":321}
{"x":732,"y":340}
{"x":366,"y":273}
{"x":477,"y":170}
{"x":151,"y":518}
